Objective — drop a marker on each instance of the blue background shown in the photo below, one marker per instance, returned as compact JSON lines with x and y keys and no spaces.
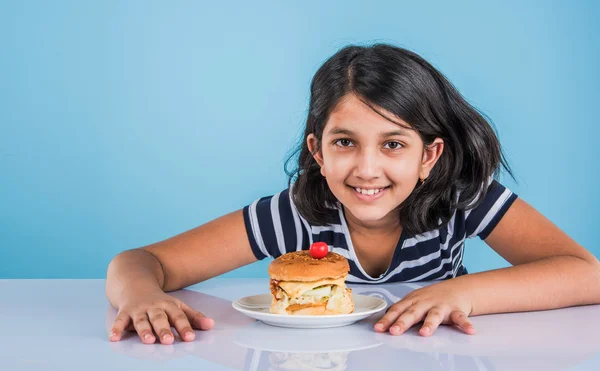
{"x":126,"y":122}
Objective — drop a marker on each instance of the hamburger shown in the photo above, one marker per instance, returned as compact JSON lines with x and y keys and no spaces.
{"x":304,"y":285}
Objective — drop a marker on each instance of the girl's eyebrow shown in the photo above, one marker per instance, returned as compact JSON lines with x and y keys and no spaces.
{"x":399,"y":132}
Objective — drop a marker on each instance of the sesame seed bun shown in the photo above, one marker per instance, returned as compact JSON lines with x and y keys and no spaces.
{"x":301,"y":266}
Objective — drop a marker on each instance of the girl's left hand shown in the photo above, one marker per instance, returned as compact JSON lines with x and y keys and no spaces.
{"x":439,"y":303}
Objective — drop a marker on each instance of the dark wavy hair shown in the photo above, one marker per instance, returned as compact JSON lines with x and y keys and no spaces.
{"x":404,"y":84}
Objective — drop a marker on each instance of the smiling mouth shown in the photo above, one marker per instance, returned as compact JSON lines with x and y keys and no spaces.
{"x":368,"y":192}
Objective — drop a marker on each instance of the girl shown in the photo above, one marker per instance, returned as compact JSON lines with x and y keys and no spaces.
{"x":395,"y":171}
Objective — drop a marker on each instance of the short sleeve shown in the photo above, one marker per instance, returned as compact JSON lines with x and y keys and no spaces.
{"x":481,"y":220}
{"x":274,"y":226}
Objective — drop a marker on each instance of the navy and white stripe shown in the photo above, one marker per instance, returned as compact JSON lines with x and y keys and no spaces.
{"x":275,"y":226}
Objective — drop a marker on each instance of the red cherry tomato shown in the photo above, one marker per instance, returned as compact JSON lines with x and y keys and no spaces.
{"x":319,"y":250}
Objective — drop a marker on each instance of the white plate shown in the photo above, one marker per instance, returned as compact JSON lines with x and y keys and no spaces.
{"x":257,"y":307}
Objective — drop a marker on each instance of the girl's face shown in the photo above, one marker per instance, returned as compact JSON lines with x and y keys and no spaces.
{"x":371,"y":164}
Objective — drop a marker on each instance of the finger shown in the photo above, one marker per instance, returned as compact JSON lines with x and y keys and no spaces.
{"x":160,"y":324}
{"x":143,"y":328}
{"x":197,"y":319}
{"x":411,"y":315}
{"x":434,"y":318}
{"x":460,"y":319}
{"x":392,"y":313}
{"x":180,"y":321}
{"x":119,"y":325}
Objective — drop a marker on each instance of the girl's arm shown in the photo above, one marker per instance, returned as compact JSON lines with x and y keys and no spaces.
{"x":204,"y":252}
{"x":201,"y":253}
{"x":550,"y":271}
{"x":137,"y":279}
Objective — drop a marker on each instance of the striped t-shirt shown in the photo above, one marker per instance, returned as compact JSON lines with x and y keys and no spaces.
{"x":275,"y":227}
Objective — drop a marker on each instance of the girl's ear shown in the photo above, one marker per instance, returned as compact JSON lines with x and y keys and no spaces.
{"x":431,"y":153}
{"x":312,"y":142}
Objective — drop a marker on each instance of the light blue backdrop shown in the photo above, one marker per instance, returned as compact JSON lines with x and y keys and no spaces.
{"x":126,"y":122}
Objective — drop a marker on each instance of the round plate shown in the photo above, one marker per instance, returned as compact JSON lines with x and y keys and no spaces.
{"x":257,"y":307}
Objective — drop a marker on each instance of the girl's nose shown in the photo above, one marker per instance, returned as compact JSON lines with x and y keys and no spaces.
{"x":368,"y":165}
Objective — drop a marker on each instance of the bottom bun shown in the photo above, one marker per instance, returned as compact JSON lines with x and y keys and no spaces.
{"x":314,"y":311}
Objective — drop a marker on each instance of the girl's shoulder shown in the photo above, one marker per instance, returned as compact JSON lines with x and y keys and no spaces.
{"x":483,"y":214}
{"x":274,"y":225}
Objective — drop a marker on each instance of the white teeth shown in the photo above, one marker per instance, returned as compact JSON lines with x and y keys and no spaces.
{"x":368,"y":191}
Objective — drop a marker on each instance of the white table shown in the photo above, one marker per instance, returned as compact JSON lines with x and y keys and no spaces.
{"x":63,"y":325}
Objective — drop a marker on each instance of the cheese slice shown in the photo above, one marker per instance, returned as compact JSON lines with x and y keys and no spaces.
{"x":295,"y":288}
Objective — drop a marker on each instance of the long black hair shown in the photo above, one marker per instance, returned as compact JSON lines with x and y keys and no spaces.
{"x":404,"y":84}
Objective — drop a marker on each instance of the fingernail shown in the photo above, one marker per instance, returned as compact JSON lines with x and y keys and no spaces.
{"x":167,"y":337}
{"x":147,"y":336}
{"x":426,"y":329}
{"x":395,"y":328}
{"x":113,"y":334}
{"x":188,"y":335}
{"x":208,"y":323}
{"x":379,"y":326}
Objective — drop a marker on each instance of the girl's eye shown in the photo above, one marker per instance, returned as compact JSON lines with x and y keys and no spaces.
{"x":394,"y":145}
{"x":348,"y":143}
{"x":343,"y":142}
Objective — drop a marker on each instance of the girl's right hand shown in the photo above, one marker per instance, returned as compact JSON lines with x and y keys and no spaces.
{"x":154,"y":314}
